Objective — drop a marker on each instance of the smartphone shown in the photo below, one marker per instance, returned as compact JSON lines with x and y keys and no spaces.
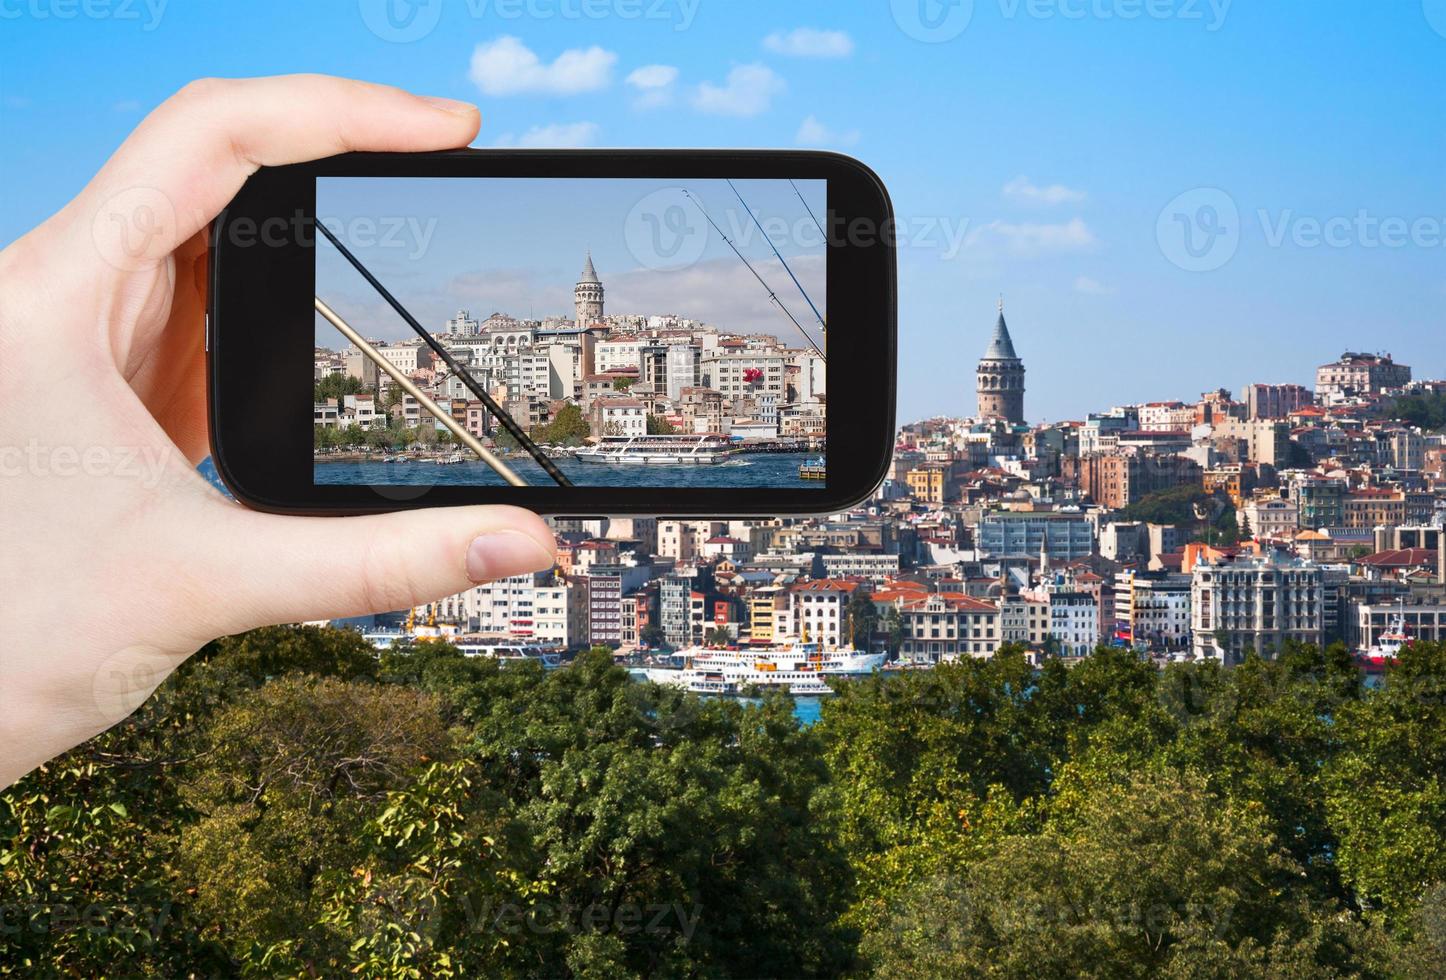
{"x":577,"y":332}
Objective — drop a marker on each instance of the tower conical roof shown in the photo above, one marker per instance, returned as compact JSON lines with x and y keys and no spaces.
{"x":589,"y":274}
{"x":1001,"y":348}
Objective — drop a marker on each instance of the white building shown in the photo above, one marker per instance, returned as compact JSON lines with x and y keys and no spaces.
{"x":462,"y":325}
{"x":817,"y":610}
{"x":537,"y":608}
{"x":1254,"y":606}
{"x":620,"y":418}
{"x":618,"y":355}
{"x":853,"y":564}
{"x":1271,"y":517}
{"x":1074,"y":621}
{"x":407,"y":357}
{"x":730,"y":372}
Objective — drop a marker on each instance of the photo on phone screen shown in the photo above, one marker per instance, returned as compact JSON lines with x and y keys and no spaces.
{"x":648,"y":333}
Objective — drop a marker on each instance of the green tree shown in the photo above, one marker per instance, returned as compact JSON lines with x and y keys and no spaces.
{"x":1145,"y":876}
{"x":861,"y":617}
{"x":337,"y":386}
{"x":652,"y":634}
{"x":659,"y":426}
{"x":292,"y":773}
{"x":569,"y":427}
{"x":1386,"y":788}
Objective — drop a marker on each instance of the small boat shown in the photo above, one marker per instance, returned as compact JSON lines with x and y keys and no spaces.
{"x":813,"y":469}
{"x":1383,"y":653}
{"x":451,"y":460}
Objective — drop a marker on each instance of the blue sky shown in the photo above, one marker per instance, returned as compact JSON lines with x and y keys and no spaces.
{"x":1172,"y":195}
{"x":517,"y":245}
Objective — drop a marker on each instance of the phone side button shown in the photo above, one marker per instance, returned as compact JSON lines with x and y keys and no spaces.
{"x":208,"y":333}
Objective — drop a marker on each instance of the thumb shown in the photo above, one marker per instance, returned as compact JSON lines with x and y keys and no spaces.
{"x":289,"y":569}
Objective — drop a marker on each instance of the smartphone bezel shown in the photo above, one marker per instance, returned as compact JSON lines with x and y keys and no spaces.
{"x":260,"y":301}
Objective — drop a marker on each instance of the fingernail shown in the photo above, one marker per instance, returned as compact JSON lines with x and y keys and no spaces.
{"x":499,"y":554}
{"x":448,"y":105}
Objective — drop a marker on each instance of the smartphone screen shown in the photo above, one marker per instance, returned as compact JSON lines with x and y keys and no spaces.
{"x":638,"y":332}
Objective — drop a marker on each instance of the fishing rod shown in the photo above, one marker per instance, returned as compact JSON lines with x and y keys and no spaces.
{"x":411,"y":388}
{"x":502,"y":416}
{"x":771,"y":294}
{"x":822,"y":326}
{"x":809,"y":210}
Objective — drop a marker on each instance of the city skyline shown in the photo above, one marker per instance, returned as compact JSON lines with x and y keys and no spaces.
{"x":1054,"y":188}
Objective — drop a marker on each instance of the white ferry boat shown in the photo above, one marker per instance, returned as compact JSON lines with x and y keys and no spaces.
{"x":801,"y":669}
{"x":799,"y":656}
{"x":507,"y":651}
{"x":738,"y":680}
{"x":657,"y":451}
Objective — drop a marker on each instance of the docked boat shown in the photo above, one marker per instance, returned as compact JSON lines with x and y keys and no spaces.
{"x":734,"y":681}
{"x":657,"y":451}
{"x":813,"y":469}
{"x":801,"y":669}
{"x":1383,"y":653}
{"x":800,"y":656}
{"x":506,"y":651}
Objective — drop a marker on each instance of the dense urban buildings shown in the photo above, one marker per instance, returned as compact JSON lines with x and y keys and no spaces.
{"x":1209,"y":528}
{"x":600,"y":376}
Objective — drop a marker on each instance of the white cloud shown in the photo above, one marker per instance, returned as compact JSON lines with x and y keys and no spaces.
{"x":1092,"y":287}
{"x":808,"y":42}
{"x":812,"y":132}
{"x":1032,"y":239}
{"x":506,"y":66}
{"x":748,"y":91}
{"x":1023,"y":190}
{"x":724,"y":293}
{"x":556,"y":135}
{"x":654,"y":85}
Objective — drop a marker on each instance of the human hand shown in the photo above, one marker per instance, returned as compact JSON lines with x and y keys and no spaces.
{"x":117,"y":560}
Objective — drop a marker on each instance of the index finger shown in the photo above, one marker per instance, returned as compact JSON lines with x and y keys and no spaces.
{"x":190,"y":156}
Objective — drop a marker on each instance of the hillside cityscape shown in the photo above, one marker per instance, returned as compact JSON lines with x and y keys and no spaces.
{"x":1208,"y":528}
{"x":631,"y":392}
